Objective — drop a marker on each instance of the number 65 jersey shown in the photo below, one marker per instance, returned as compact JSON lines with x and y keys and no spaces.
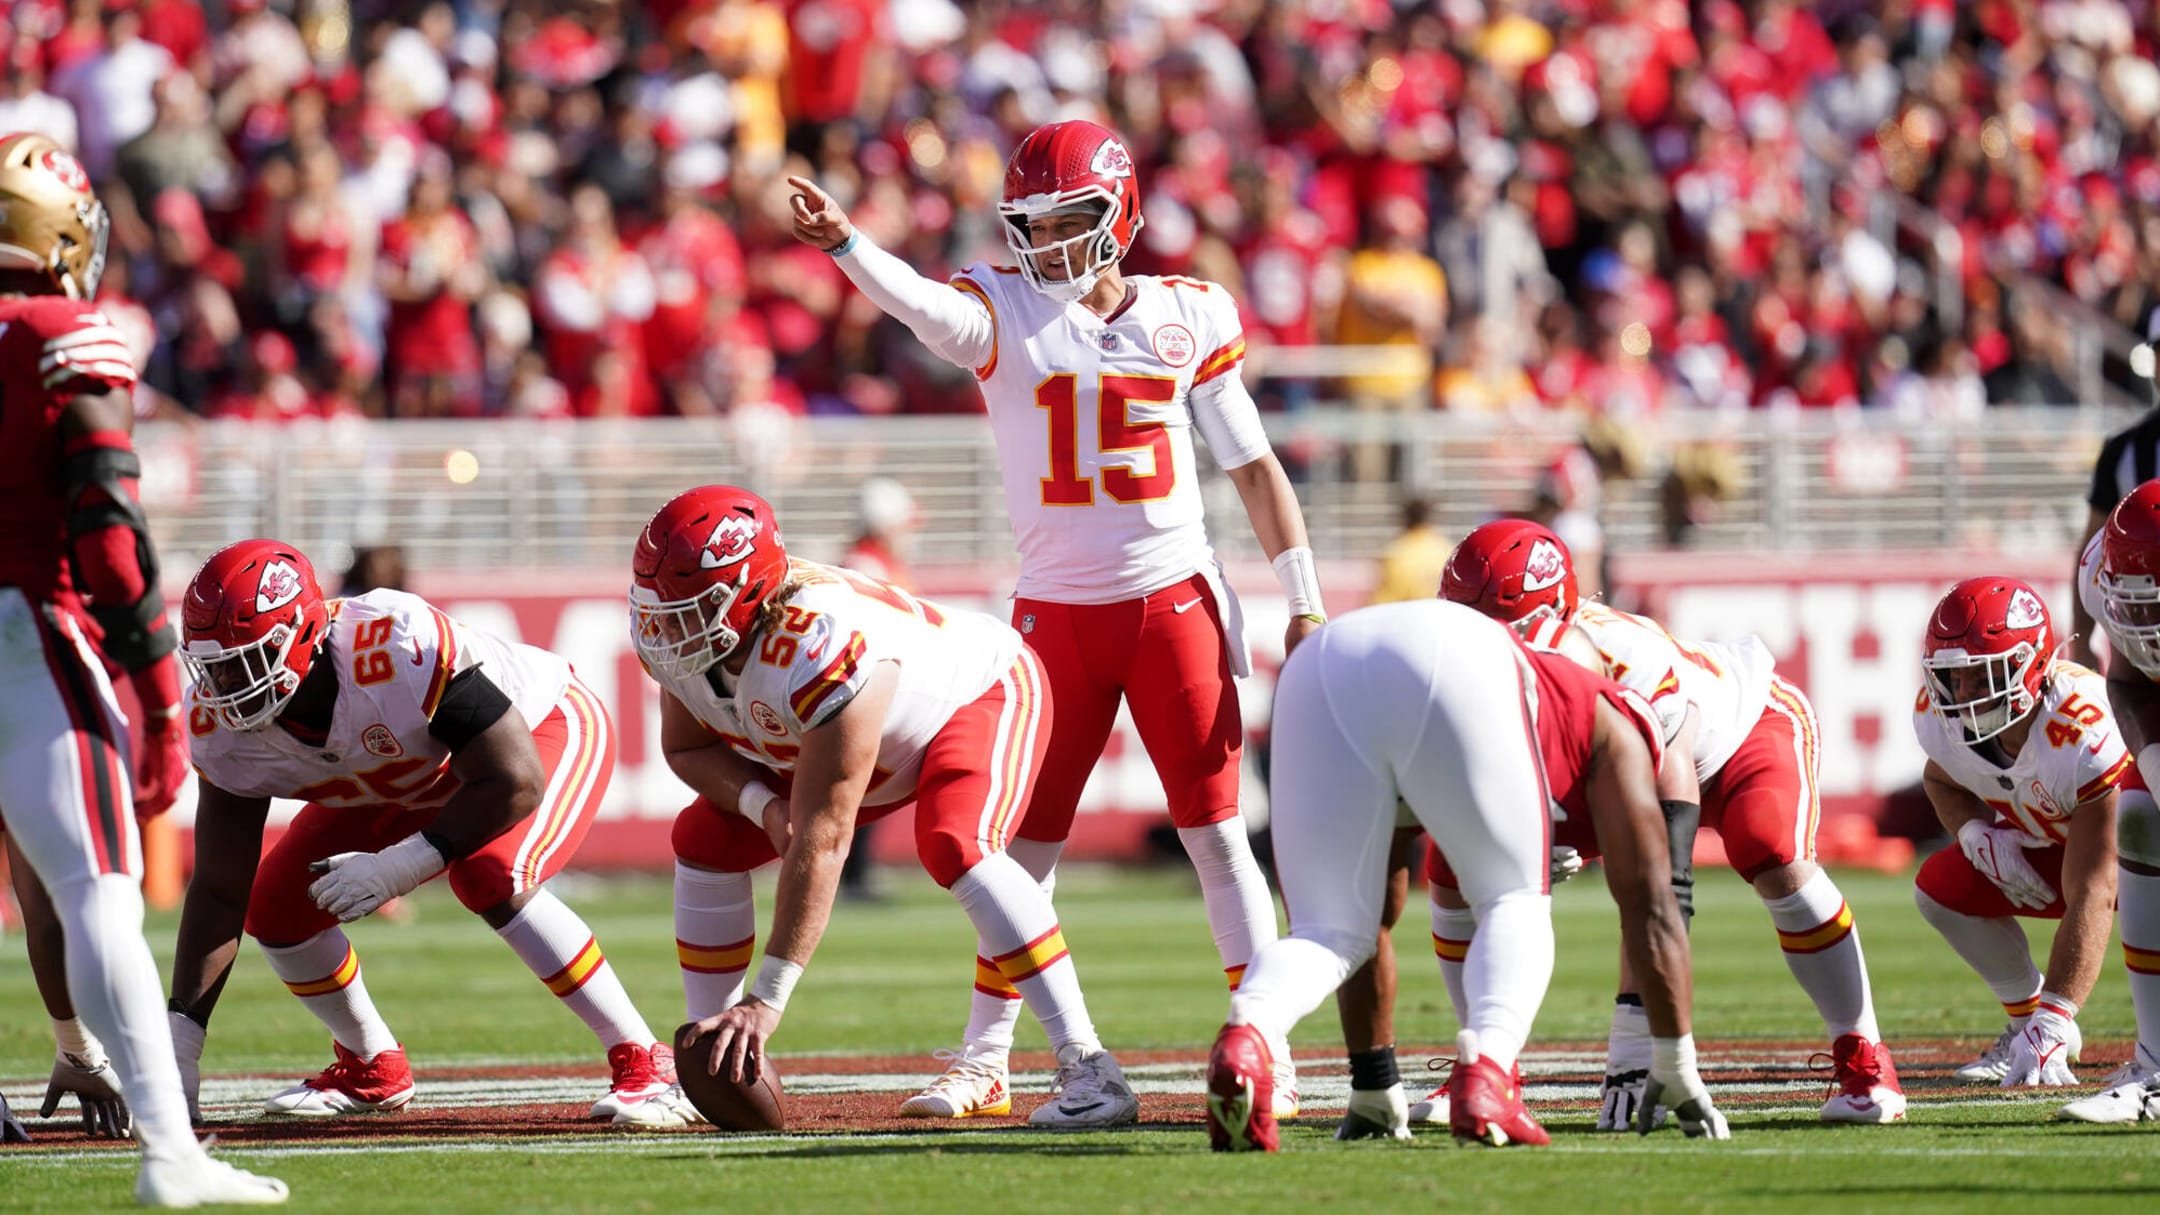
{"x":1094,"y":418}
{"x":394,"y":654}
{"x":2073,"y":754}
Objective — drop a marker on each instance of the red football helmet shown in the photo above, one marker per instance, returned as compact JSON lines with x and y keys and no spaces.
{"x":1069,"y":166}
{"x":2130,"y":578}
{"x":250,"y":625}
{"x":1989,"y":646}
{"x":1515,"y":571}
{"x":704,"y":566}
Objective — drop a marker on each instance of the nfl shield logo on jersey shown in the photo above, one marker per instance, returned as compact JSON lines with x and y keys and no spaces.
{"x":1027,"y":623}
{"x":1108,"y":341}
{"x":380,"y":741}
{"x":1174,"y":345}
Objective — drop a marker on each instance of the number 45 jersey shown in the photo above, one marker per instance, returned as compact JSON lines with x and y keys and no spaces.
{"x":394,"y":653}
{"x":1094,"y":418}
{"x":2073,"y":754}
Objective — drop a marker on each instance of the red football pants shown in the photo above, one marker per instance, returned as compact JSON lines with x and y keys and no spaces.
{"x":1164,"y":655}
{"x":977,"y":775}
{"x":577,"y":752}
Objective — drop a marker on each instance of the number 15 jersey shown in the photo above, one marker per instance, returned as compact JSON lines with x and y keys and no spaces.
{"x":1094,"y":418}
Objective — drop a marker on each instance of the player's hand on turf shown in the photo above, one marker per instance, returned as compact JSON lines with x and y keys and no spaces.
{"x":778,"y":823}
{"x":11,"y":1128}
{"x":92,"y":1082}
{"x":1621,"y":1095}
{"x":819,"y":221}
{"x":739,"y":1041}
{"x":2040,"y":1053}
{"x":1689,"y":1101}
{"x":1566,"y":863}
{"x":187,"y":1040}
{"x":161,"y":768}
{"x":1999,"y":852}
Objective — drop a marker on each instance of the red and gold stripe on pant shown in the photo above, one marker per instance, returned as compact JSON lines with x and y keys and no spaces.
{"x":336,"y":980}
{"x":583,"y":964}
{"x":991,"y":981}
{"x":1236,"y":975}
{"x":2141,"y":961}
{"x":1448,"y":950}
{"x":715,"y":959}
{"x":2024,"y":1007}
{"x":1033,"y":958}
{"x":1820,"y":937}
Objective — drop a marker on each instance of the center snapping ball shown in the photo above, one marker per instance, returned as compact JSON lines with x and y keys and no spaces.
{"x":755,"y":1105}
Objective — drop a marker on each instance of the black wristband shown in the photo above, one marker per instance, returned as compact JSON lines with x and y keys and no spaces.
{"x":442,"y":847}
{"x":1374,"y":1071}
{"x":177,"y":1007}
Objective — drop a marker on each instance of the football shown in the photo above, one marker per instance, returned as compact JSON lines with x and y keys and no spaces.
{"x":757,"y":1105}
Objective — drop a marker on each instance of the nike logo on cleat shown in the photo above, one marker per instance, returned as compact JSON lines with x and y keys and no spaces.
{"x":1080,"y":1109}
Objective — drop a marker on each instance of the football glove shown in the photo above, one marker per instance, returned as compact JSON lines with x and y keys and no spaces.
{"x":2040,"y":1052}
{"x":90,"y":1079}
{"x":1999,"y":852}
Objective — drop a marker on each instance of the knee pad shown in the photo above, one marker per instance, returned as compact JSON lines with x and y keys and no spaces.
{"x":2137,"y":828}
{"x":711,"y":838}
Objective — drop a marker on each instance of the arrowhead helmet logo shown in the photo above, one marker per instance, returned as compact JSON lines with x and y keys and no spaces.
{"x":1111,"y":160}
{"x":279,"y":585}
{"x":2025,"y":611}
{"x":1544,"y":568}
{"x":732,"y":541}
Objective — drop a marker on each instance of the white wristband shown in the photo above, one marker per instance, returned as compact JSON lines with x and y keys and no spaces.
{"x":1673,"y":1057}
{"x":753,"y":799}
{"x":74,"y":1038}
{"x":1300,"y":580}
{"x":776,"y":979}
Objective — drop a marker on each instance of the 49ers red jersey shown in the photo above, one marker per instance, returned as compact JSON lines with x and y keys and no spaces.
{"x":51,"y":348}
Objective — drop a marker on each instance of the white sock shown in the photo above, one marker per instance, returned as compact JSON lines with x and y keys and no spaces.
{"x":715,"y":934}
{"x":1822,"y":949}
{"x":994,"y":1004}
{"x":1996,"y":950}
{"x":1240,"y":911}
{"x":2137,"y":902}
{"x":1453,"y":928}
{"x":1019,"y":932}
{"x":324,"y":972}
{"x":555,"y":945}
{"x":114,"y":983}
{"x":1290,"y":976}
{"x":1506,"y":972}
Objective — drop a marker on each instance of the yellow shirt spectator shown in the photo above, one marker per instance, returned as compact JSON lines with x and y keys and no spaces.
{"x":1410,"y":565}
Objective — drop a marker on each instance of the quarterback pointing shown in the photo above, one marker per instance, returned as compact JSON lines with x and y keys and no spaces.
{"x":422,"y":746}
{"x":1095,"y":383}
{"x":855,"y":699}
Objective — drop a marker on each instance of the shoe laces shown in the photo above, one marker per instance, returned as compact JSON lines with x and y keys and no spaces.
{"x":348,"y":1072}
{"x":634,"y":1066}
{"x":1858,"y":1074}
{"x":1444,"y":1066}
{"x":1083,"y":1077}
{"x":967,"y":1064}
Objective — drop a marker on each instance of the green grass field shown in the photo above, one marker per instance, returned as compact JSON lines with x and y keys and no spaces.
{"x":893,"y":978}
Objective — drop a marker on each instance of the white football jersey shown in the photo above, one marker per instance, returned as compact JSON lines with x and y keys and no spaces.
{"x":394,"y":655}
{"x":1728,"y":684}
{"x":2088,"y":588}
{"x":2074,"y":754}
{"x":833,"y":633}
{"x":1094,"y":418}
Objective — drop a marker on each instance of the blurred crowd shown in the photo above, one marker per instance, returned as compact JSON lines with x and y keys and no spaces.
{"x":1609,"y":207}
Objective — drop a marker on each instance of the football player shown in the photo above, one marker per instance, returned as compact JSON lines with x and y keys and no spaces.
{"x":802,"y":699}
{"x":1096,"y":382}
{"x":2026,"y":771}
{"x":2119,"y":583}
{"x":79,"y":590}
{"x":81,"y":1067}
{"x":1431,"y":704}
{"x":1741,"y":758}
{"x":422,"y":746}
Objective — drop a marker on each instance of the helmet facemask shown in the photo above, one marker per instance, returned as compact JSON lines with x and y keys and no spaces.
{"x":683,"y":638}
{"x":1981,"y":695}
{"x":2131,"y":607}
{"x":1087,"y":257}
{"x":245,"y":686}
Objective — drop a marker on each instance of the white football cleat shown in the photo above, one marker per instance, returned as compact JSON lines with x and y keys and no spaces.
{"x":1433,"y":1110}
{"x":1284,"y":1102}
{"x":973,"y":1085}
{"x":2132,"y":1095}
{"x":1091,"y":1093}
{"x":642,"y":1090}
{"x":198,"y":1181}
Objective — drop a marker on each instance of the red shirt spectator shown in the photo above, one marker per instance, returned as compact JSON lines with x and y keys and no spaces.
{"x":593,"y":296}
{"x":430,"y":272}
{"x":829,"y":45}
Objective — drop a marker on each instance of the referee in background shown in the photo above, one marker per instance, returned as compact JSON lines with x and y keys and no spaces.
{"x":2129,"y":458}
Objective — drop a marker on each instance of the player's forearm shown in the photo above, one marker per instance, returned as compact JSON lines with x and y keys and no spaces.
{"x":1655,"y":943}
{"x":1676,"y":780}
{"x":2080,"y":948}
{"x":479,"y":811}
{"x":714,"y":773}
{"x":1954,"y":807}
{"x":954,"y":325}
{"x":43,"y":937}
{"x":809,"y":881}
{"x":1270,"y":502}
{"x":203,"y":956}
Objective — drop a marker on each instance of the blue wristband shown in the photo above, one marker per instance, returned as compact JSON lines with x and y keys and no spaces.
{"x":841,"y":249}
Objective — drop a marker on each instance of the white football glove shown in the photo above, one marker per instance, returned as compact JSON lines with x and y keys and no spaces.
{"x":2040,"y":1052}
{"x":1566,"y":863}
{"x":90,"y":1079}
{"x":1674,"y":1082}
{"x":1627,"y":1069}
{"x":1999,"y":852}
{"x":187,"y":1040}
{"x":354,"y":884}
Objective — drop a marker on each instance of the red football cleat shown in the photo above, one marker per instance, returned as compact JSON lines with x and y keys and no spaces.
{"x":1241,"y":1093}
{"x":1485,"y":1104}
{"x":1868,"y":1090}
{"x":351,"y":1085}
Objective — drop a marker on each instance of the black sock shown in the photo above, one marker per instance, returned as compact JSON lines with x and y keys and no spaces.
{"x":1628,"y":998}
{"x":1373,"y":1071}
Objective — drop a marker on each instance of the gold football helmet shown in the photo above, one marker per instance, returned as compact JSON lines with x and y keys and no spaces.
{"x":51,"y":222}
